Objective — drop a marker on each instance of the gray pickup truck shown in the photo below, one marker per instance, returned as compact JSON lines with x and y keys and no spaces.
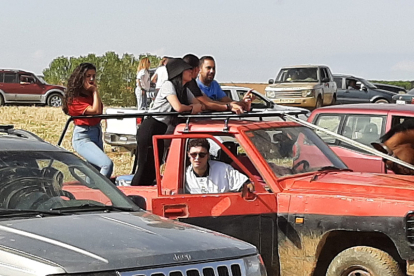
{"x":59,"y":216}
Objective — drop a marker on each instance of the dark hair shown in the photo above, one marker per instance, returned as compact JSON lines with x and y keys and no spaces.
{"x":180,"y":89}
{"x":199,"y":142}
{"x":203,"y":58}
{"x":75,"y":84}
{"x":192,"y":60}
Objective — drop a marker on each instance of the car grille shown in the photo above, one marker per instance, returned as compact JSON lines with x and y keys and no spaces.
{"x":225,"y":268}
{"x":409,"y":227}
{"x":285,"y":94}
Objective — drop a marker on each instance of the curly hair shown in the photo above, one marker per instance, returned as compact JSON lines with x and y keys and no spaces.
{"x":75,"y":84}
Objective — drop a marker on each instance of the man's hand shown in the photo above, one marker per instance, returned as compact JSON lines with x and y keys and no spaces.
{"x":250,"y":187}
{"x":236,"y":107}
{"x":197,"y":108}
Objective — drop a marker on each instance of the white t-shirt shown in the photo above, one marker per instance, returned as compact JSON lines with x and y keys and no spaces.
{"x":221,"y":178}
{"x":161,"y":104}
{"x":162,"y":76}
{"x":143,"y":79}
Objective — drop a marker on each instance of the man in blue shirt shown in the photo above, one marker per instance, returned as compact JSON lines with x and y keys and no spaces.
{"x":212,"y":88}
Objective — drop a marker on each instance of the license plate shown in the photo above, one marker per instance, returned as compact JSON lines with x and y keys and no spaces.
{"x":284,"y":101}
{"x":400,"y":102}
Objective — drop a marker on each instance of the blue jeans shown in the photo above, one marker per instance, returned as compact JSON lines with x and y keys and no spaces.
{"x":141,"y":99}
{"x":87,"y":141}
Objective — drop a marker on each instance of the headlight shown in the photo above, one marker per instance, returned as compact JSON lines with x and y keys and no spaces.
{"x":254,"y":266}
{"x":271,"y":94}
{"x":308,"y":92}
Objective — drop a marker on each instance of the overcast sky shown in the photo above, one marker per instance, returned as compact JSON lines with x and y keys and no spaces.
{"x":250,"y":40}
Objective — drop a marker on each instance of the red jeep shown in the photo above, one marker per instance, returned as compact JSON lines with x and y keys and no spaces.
{"x":309,"y":215}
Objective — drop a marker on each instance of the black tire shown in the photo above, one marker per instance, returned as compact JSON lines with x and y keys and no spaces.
{"x":319,"y":102}
{"x":55,"y":100}
{"x":364,"y":261}
{"x":381,"y":101}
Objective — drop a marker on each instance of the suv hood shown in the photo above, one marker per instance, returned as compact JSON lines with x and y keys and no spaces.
{"x":355,"y":184}
{"x":109,"y":241}
{"x":291,"y":86}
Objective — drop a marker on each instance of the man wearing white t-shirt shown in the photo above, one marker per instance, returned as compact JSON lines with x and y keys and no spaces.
{"x":205,"y":176}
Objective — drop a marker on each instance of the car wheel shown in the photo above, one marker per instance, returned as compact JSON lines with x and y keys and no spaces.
{"x":364,"y":261}
{"x":54,"y":100}
{"x":381,"y":101}
{"x":1,"y":100}
{"x":319,"y":102}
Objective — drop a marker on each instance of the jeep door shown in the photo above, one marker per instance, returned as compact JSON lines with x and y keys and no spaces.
{"x":328,"y":85}
{"x":10,"y":86}
{"x":246,"y":216}
{"x":30,"y":89}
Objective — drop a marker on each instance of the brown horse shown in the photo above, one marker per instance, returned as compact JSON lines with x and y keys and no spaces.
{"x":399,"y":143}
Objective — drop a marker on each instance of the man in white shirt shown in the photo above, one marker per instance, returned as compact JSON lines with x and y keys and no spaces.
{"x":205,"y":176}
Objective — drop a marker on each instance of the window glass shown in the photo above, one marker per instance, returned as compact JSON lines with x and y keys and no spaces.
{"x":297,"y":75}
{"x":364,"y":129}
{"x":10,"y":78}
{"x":329,"y":122}
{"x":228,"y":93}
{"x":1,"y":77}
{"x":396,"y":120}
{"x":338,"y":82}
{"x":323,"y":73}
{"x":293,"y":150}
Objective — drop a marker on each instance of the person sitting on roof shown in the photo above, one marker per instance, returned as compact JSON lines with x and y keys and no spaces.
{"x":205,"y":176}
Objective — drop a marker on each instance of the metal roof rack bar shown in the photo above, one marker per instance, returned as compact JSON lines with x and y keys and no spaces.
{"x":204,"y":115}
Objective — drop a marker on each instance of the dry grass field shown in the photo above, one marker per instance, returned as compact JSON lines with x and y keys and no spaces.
{"x":48,"y":123}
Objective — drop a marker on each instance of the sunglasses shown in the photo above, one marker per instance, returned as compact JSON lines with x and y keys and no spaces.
{"x":200,"y":154}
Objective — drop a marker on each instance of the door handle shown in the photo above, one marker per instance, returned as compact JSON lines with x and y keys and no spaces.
{"x":175,"y":211}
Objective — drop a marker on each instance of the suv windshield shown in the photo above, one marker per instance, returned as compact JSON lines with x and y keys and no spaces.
{"x":293,"y":150}
{"x":48,"y":180}
{"x":298,"y":75}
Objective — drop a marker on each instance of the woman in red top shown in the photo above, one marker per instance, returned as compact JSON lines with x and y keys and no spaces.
{"x":82,"y":98}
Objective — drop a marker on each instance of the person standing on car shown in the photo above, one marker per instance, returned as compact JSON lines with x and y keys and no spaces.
{"x":143,"y":83}
{"x":82,"y":98}
{"x":212,"y":89}
{"x":172,"y":96}
{"x":211,"y":105}
{"x":160,"y":75}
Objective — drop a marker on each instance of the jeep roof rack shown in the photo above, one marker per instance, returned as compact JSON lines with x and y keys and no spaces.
{"x":226,"y":116}
{"x":10,"y":130}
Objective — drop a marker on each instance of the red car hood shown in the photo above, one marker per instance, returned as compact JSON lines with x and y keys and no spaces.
{"x":393,"y":187}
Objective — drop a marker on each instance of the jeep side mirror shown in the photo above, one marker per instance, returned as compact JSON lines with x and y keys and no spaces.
{"x":139,"y":201}
{"x":271,"y":81}
{"x":364,"y":88}
{"x":325,"y":80}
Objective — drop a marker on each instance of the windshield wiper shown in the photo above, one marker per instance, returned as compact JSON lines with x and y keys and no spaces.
{"x":333,"y":168}
{"x":25,"y":212}
{"x":87,"y":207}
{"x":327,"y":169}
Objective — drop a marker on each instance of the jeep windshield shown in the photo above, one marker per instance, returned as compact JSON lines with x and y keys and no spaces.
{"x":47,"y":181}
{"x":294,"y":150}
{"x":297,"y":75}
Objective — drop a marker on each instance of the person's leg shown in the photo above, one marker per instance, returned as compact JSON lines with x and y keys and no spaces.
{"x":144,"y":101}
{"x":138,"y":95}
{"x":86,"y":142}
{"x":145,"y":174}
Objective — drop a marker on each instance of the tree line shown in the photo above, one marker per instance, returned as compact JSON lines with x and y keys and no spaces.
{"x":115,"y":75}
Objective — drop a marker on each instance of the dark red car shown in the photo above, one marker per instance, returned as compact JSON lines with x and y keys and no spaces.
{"x":364,"y":123}
{"x":17,"y":86}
